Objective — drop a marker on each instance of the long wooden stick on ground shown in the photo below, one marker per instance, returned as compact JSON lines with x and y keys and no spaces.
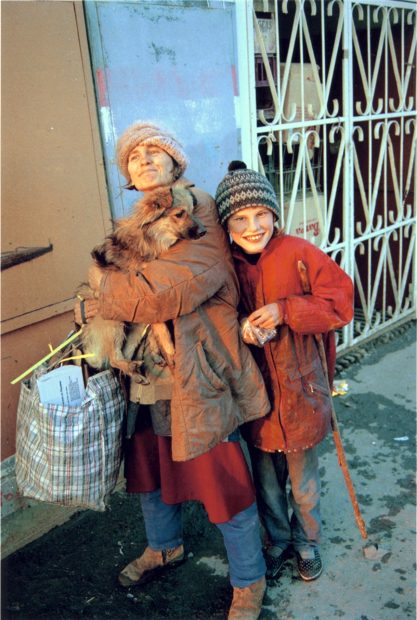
{"x":335,"y":426}
{"x":341,"y":452}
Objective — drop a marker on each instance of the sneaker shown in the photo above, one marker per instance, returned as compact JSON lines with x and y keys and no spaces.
{"x":309,"y":568}
{"x":274,"y":561}
{"x":149,"y":564}
{"x":247,"y":602}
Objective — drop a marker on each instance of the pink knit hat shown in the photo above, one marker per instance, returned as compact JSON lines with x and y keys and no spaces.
{"x":148,"y":134}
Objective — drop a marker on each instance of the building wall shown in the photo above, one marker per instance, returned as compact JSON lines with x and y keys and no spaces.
{"x":53,"y":182}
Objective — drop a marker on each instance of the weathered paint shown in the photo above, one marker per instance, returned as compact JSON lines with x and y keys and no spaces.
{"x":101,"y":88}
{"x":174,"y":65}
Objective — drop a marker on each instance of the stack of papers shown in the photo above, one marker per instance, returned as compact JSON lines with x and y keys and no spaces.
{"x":62,"y":386}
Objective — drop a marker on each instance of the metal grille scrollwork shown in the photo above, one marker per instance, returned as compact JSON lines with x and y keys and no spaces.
{"x":336,"y":133}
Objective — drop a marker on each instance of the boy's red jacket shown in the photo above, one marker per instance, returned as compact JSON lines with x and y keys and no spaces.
{"x":290,"y":363}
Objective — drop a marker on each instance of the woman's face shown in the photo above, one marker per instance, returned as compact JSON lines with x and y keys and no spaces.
{"x":251,"y":228}
{"x":150,"y":167}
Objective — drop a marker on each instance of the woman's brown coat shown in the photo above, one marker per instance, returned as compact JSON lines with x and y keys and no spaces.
{"x":217,"y":384}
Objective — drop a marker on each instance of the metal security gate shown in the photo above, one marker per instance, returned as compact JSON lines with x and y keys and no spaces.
{"x":331,"y":120}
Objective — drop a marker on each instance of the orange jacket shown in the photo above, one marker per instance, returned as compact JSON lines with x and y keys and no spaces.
{"x":290,"y":363}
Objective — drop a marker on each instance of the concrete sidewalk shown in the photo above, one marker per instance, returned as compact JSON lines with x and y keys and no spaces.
{"x":377,"y":423}
{"x":70,"y":573}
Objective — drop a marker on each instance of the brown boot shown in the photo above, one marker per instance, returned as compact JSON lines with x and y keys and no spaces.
{"x":247,"y":602}
{"x":149,"y":564}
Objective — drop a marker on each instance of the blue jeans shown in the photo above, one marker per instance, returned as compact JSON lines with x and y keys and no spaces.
{"x":241,"y":535}
{"x":271,"y":470}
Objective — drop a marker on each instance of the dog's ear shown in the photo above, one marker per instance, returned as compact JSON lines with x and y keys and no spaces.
{"x":99,"y":255}
{"x":158,"y":199}
{"x":153,"y":206}
{"x":194,"y":199}
{"x":104,"y":254}
{"x":184,"y":197}
{"x":163,"y":198}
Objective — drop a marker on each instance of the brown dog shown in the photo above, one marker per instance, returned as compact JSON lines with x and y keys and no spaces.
{"x":160,"y":219}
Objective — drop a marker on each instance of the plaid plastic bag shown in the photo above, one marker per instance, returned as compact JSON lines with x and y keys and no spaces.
{"x":70,"y":455}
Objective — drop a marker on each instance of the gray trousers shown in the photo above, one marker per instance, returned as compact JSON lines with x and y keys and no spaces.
{"x":271,"y":472}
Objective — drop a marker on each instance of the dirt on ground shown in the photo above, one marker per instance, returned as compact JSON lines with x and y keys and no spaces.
{"x":71,"y":572}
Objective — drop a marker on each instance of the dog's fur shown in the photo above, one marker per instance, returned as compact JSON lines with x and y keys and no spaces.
{"x":160,"y":219}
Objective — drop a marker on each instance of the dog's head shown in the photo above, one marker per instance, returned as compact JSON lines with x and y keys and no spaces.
{"x":167,"y":215}
{"x":182,"y":210}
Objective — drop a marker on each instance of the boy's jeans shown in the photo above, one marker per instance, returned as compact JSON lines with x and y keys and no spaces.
{"x":271,"y":470}
{"x":163,"y":525}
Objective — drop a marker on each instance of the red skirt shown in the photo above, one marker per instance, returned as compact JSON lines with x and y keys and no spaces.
{"x":220,"y":478}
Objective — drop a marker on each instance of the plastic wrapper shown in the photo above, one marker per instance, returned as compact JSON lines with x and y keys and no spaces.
{"x":258,"y":336}
{"x":340,"y":388}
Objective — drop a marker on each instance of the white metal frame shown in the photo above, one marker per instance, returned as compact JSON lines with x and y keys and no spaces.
{"x":370,"y":142}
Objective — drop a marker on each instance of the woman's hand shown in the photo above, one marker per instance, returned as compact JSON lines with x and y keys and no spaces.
{"x":268,"y":316}
{"x":84,"y":310}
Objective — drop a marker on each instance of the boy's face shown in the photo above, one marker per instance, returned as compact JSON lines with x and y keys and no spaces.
{"x":251,"y":228}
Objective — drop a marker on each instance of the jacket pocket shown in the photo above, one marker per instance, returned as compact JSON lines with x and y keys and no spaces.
{"x":208,"y":375}
{"x":313,"y":378}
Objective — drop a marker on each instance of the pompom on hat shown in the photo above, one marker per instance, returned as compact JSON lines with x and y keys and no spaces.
{"x":242,"y":188}
{"x":148,"y":134}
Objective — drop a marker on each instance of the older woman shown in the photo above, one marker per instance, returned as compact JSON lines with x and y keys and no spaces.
{"x":187,"y":448}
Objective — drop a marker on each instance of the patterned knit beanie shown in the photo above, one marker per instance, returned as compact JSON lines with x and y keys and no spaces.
{"x":242,"y":188}
{"x":148,"y":134}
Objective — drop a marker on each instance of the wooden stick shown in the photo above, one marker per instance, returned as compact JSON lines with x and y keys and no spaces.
{"x":348,"y":480}
{"x":340,"y":449}
{"x":335,"y":426}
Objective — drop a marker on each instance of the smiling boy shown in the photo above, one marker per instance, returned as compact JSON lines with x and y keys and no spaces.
{"x":283,"y":445}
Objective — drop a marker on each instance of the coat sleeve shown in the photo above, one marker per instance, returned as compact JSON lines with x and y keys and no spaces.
{"x":329,"y":305}
{"x":175,"y":284}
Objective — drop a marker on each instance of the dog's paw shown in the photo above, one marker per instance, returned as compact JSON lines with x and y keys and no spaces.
{"x":158,"y":359}
{"x":135,"y":374}
{"x":138,"y":378}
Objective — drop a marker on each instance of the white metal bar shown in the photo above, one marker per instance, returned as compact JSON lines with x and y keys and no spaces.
{"x":411,"y":114}
{"x":246,"y":104}
{"x":347,"y":95}
{"x":400,"y":4}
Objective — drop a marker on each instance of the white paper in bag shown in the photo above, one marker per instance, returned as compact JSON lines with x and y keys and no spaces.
{"x":62,"y":386}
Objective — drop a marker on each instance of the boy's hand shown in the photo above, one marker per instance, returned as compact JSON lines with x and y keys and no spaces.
{"x":247,"y":333}
{"x":268,"y":316}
